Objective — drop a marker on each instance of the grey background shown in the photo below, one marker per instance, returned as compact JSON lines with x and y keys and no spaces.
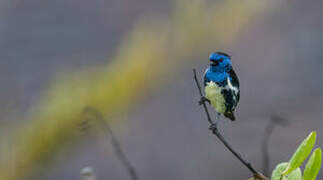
{"x":166,"y":135}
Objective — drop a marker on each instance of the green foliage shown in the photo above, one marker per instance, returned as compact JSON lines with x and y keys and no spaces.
{"x":294,"y":175}
{"x":280,"y":168}
{"x":313,"y":165}
{"x":292,"y":171}
{"x":301,"y":153}
{"x":278,"y":171}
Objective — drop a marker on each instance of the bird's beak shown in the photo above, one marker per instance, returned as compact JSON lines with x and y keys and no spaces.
{"x":214,"y":63}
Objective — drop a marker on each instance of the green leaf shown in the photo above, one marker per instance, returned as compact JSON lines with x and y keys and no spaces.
{"x":294,"y":175}
{"x":280,"y":168}
{"x":302,"y":152}
{"x":313,"y":165}
{"x":278,"y":171}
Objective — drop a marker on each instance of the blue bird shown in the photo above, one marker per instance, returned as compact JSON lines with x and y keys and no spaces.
{"x":221,"y":85}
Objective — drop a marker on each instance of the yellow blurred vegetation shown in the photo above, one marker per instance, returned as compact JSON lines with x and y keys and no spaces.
{"x":147,"y":56}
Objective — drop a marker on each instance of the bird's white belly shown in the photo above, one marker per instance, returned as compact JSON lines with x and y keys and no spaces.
{"x":213,"y":93}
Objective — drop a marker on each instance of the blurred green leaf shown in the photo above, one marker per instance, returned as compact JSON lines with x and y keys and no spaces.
{"x":313,"y":165}
{"x":302,"y":152}
{"x":294,"y":175}
{"x":280,"y":168}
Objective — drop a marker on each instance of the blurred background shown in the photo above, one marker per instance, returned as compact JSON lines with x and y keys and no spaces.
{"x":132,"y":60}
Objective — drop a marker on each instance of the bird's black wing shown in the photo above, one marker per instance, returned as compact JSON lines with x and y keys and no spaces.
{"x":231,"y":96}
{"x":235,"y":80}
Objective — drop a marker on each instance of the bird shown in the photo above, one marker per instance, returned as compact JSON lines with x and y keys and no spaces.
{"x":221,"y":85}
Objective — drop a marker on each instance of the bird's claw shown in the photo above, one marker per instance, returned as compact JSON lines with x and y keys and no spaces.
{"x":213,"y":126}
{"x":203,"y":100}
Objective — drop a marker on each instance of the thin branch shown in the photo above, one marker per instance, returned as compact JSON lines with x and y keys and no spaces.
{"x":115,"y":143}
{"x":216,"y":132}
{"x":275,"y":120}
{"x":87,"y":173}
{"x":264,"y":147}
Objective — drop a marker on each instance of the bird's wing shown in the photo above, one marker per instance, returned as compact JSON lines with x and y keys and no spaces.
{"x":231,"y":92}
{"x":235,"y":80}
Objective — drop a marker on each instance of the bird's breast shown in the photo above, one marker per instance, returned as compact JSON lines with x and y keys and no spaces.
{"x":213,"y":93}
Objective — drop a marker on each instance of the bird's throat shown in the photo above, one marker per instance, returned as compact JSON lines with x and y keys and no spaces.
{"x":217,"y":69}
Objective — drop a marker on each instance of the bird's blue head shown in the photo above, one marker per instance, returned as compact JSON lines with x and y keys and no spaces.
{"x":220,"y":61}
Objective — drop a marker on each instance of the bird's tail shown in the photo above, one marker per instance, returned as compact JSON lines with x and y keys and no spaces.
{"x":230,"y":115}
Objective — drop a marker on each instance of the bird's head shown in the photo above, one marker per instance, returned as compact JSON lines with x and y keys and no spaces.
{"x":220,"y":60}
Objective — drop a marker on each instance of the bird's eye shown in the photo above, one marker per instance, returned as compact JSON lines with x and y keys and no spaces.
{"x":221,"y":60}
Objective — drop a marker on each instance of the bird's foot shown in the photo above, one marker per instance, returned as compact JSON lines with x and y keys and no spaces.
{"x":203,"y":100}
{"x":213,"y":127}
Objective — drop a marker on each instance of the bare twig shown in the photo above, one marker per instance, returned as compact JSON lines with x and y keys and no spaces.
{"x":275,"y":120}
{"x":116,"y":145}
{"x":87,"y":173}
{"x":216,"y":132}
